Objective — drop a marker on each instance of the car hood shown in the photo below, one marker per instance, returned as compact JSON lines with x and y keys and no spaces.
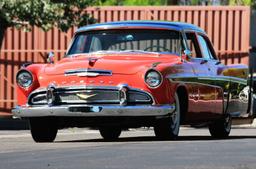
{"x":118,"y":63}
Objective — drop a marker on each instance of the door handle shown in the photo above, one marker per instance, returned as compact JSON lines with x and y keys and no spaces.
{"x":217,"y":63}
{"x":203,"y":62}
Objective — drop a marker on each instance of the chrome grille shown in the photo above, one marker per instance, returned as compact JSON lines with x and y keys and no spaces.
{"x":39,"y":99}
{"x":90,"y":96}
{"x":138,"y":97}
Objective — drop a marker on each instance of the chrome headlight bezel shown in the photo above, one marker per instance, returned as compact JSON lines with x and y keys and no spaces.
{"x":155,"y":76}
{"x":24,"y":83}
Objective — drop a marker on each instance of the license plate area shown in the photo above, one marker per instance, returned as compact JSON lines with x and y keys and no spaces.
{"x":85,"y":109}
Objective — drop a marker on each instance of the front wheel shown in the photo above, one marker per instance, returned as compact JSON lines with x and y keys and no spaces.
{"x":43,"y":129}
{"x":110,"y":133}
{"x":169,"y":128}
{"x":221,"y":128}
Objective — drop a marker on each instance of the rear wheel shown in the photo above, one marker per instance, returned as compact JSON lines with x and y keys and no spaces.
{"x":43,"y":129}
{"x":221,"y":128}
{"x":169,"y":128}
{"x":110,"y":133}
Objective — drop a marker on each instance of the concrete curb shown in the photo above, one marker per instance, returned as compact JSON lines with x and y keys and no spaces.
{"x":253,"y":125}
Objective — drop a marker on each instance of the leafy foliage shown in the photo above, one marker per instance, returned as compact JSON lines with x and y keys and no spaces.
{"x":240,"y":2}
{"x":176,"y":2}
{"x":130,"y":2}
{"x":44,"y":13}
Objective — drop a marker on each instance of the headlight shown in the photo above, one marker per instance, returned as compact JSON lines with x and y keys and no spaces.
{"x":153,"y":78}
{"x":24,"y":78}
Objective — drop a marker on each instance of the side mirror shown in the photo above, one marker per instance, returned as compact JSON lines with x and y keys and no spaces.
{"x":188,"y":53}
{"x":50,"y":58}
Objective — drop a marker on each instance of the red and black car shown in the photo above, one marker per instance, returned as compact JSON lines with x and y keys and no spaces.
{"x":132,"y":74}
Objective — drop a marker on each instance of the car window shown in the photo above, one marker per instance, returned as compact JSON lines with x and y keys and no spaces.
{"x":205,"y":48}
{"x":193,"y":45}
{"x":95,"y":45}
{"x":80,"y":47}
{"x":163,"y":41}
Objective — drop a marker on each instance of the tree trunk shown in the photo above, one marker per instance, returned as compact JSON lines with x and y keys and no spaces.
{"x":2,"y":32}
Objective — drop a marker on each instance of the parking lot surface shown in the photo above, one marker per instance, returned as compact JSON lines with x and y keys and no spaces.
{"x":136,"y":149}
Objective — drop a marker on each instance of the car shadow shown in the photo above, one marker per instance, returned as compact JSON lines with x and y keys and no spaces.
{"x":153,"y":138}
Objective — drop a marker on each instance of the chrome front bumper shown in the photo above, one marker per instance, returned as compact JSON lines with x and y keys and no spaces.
{"x":92,"y":111}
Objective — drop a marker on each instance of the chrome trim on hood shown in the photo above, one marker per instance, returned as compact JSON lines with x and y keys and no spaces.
{"x":88,"y":72}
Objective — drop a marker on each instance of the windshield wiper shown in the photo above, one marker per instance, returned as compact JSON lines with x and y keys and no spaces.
{"x":104,"y":51}
{"x":115,"y":51}
{"x":122,"y":51}
{"x":141,"y":51}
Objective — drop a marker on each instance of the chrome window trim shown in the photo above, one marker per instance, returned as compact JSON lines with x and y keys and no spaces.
{"x":121,"y":27}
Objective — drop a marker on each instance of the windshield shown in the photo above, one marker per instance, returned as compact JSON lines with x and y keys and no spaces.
{"x":163,"y":41}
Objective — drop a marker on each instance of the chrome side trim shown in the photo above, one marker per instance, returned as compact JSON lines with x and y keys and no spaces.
{"x":173,"y":77}
{"x":197,"y":83}
{"x":92,"y":111}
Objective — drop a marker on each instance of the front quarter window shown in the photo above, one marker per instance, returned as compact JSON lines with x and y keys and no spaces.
{"x":206,"y":48}
{"x":78,"y":45}
{"x":193,"y":45}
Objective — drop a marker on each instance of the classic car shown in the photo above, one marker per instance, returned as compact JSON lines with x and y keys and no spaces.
{"x":134,"y":74}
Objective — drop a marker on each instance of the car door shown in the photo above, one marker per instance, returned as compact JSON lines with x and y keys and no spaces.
{"x":204,"y":101}
{"x":214,"y":67}
{"x":231,"y":79}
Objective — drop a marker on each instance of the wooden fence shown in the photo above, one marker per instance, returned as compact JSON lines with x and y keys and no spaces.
{"x":227,"y":27}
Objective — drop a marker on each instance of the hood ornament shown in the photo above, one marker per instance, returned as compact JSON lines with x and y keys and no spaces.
{"x":92,"y":61}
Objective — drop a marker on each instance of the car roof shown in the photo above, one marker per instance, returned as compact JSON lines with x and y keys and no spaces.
{"x":179,"y":26}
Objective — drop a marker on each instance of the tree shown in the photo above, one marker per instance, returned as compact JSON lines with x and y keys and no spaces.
{"x":130,"y":2}
{"x":240,"y":2}
{"x":176,"y":2}
{"x":45,"y":14}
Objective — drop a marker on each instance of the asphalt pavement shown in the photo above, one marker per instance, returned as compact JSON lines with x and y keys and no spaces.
{"x":136,"y":149}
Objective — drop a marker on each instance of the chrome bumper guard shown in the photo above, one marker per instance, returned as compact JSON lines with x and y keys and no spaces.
{"x":92,"y":111}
